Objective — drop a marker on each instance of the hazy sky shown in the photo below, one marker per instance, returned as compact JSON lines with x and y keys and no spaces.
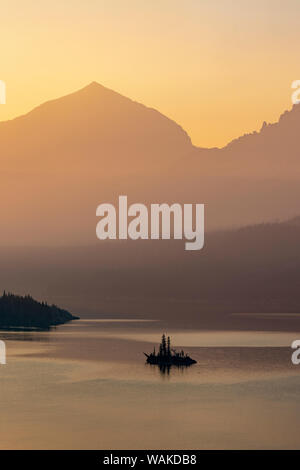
{"x":217,"y":67}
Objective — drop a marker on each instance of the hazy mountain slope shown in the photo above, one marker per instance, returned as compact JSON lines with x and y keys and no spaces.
{"x":88,"y":129}
{"x":254,"y":178}
{"x":250,"y":270}
{"x":272,"y":153}
{"x":65,"y":157}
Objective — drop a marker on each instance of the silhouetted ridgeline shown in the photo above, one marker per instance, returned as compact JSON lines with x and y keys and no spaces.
{"x":17,"y":311}
{"x":252,"y":270}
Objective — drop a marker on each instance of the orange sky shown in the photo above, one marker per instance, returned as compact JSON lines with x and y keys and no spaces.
{"x":217,"y":67}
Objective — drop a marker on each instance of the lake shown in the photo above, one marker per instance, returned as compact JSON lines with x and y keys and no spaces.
{"x":85,"y":385}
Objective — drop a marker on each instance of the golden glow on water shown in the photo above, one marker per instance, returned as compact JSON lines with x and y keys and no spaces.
{"x":194,"y":338}
{"x":85,"y":385}
{"x":215,"y":338}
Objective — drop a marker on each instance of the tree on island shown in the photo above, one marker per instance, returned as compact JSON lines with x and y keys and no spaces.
{"x":168,"y":347}
{"x":168,"y":356}
{"x":164,"y":345}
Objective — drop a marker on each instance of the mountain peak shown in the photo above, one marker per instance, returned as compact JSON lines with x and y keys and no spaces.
{"x":94,"y":86}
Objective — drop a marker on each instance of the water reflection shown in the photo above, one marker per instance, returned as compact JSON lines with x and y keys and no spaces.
{"x":165,"y":369}
{"x":24,"y":336}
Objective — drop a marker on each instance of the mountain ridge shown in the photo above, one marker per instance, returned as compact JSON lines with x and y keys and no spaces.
{"x":95,"y":86}
{"x":68,"y":155}
{"x":93,"y":90}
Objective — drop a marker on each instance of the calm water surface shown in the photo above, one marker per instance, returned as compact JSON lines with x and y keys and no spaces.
{"x":86,"y":385}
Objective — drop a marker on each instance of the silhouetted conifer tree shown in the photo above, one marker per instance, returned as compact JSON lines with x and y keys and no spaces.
{"x":169,"y":347}
{"x":164,"y":345}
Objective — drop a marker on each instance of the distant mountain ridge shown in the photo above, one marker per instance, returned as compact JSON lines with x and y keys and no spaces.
{"x":250,"y":270}
{"x":62,"y":159}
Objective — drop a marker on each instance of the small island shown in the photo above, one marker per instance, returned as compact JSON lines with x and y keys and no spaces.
{"x":25,"y":312}
{"x":167,"y":356}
